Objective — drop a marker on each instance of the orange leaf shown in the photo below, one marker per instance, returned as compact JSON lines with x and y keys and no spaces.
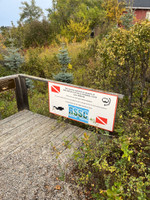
{"x":57,"y":187}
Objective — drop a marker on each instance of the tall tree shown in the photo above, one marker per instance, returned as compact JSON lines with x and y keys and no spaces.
{"x":127,"y":18}
{"x":114,"y":10}
{"x":87,"y":11}
{"x":30,"y":12}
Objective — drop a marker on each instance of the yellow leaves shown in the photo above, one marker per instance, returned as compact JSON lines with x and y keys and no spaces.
{"x":54,"y":148}
{"x":1,"y":57}
{"x":86,"y":137}
{"x":122,"y":61}
{"x":129,"y":158}
{"x":62,"y":39}
{"x":114,"y":9}
{"x":141,"y":163}
{"x":69,"y":66}
{"x":112,"y":169}
{"x":75,"y":31}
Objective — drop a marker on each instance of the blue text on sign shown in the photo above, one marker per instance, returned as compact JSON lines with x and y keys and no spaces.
{"x":78,"y":113}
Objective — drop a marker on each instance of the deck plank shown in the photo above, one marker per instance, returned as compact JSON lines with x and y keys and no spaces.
{"x":13,"y":117}
{"x":15,"y":122}
{"x":27,"y":142}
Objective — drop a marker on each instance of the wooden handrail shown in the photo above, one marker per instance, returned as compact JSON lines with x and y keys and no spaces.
{"x":8,"y":77}
{"x":47,"y":80}
{"x":21,"y":89}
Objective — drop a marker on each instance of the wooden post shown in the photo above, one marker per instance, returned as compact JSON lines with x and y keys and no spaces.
{"x":21,"y":93}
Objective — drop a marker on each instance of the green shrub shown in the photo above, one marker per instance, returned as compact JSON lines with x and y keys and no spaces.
{"x":122,"y":64}
{"x":37,"y":34}
{"x":8,"y":105}
{"x":116,"y":167}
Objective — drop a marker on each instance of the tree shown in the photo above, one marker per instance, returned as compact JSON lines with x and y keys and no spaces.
{"x":30,"y":12}
{"x":114,"y":10}
{"x":13,"y":59}
{"x":76,"y":31}
{"x":127,"y":18}
{"x":125,"y":56}
{"x":64,"y":61}
{"x":37,"y":33}
{"x":90,"y":12}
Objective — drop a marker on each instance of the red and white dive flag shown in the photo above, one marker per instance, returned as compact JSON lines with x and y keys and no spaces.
{"x":55,"y":88}
{"x":101,"y":120}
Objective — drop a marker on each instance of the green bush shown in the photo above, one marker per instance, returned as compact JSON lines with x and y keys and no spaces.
{"x":122,"y":64}
{"x":8,"y":105}
{"x":116,"y":167}
{"x":41,"y":62}
{"x":37,"y":34}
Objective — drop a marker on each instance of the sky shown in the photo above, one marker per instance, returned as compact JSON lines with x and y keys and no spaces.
{"x":9,"y":10}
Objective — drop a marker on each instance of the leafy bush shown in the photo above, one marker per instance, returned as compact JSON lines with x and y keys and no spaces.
{"x":43,"y":62}
{"x":38,"y":101}
{"x":76,"y":31}
{"x":8,"y":105}
{"x":40,"y":62}
{"x":123,"y":63}
{"x":118,"y":167}
{"x":37,"y":34}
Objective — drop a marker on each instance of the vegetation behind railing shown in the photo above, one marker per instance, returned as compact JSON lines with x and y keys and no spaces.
{"x":18,"y":82}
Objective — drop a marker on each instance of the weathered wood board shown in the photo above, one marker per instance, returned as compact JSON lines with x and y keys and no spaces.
{"x":29,"y":143}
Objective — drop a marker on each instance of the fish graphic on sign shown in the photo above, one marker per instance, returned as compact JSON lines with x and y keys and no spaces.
{"x":101,"y":120}
{"x":55,"y":88}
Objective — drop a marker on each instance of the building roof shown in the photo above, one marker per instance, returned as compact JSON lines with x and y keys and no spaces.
{"x":138,"y":4}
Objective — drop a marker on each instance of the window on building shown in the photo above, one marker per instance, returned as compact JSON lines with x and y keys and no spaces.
{"x":148,"y":15}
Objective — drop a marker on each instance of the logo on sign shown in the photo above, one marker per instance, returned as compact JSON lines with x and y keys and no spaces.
{"x":101,"y":120}
{"x":106,"y":101}
{"x":55,"y":88}
{"x":78,"y":113}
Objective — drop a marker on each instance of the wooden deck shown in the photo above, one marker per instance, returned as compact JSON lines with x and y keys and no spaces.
{"x":29,"y":143}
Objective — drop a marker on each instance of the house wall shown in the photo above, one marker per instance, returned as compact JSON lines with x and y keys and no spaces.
{"x":140,"y":14}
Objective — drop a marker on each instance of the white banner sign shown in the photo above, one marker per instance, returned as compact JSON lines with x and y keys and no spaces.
{"x":83,"y":105}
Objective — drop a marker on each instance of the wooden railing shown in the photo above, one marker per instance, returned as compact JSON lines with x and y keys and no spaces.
{"x":18,"y":83}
